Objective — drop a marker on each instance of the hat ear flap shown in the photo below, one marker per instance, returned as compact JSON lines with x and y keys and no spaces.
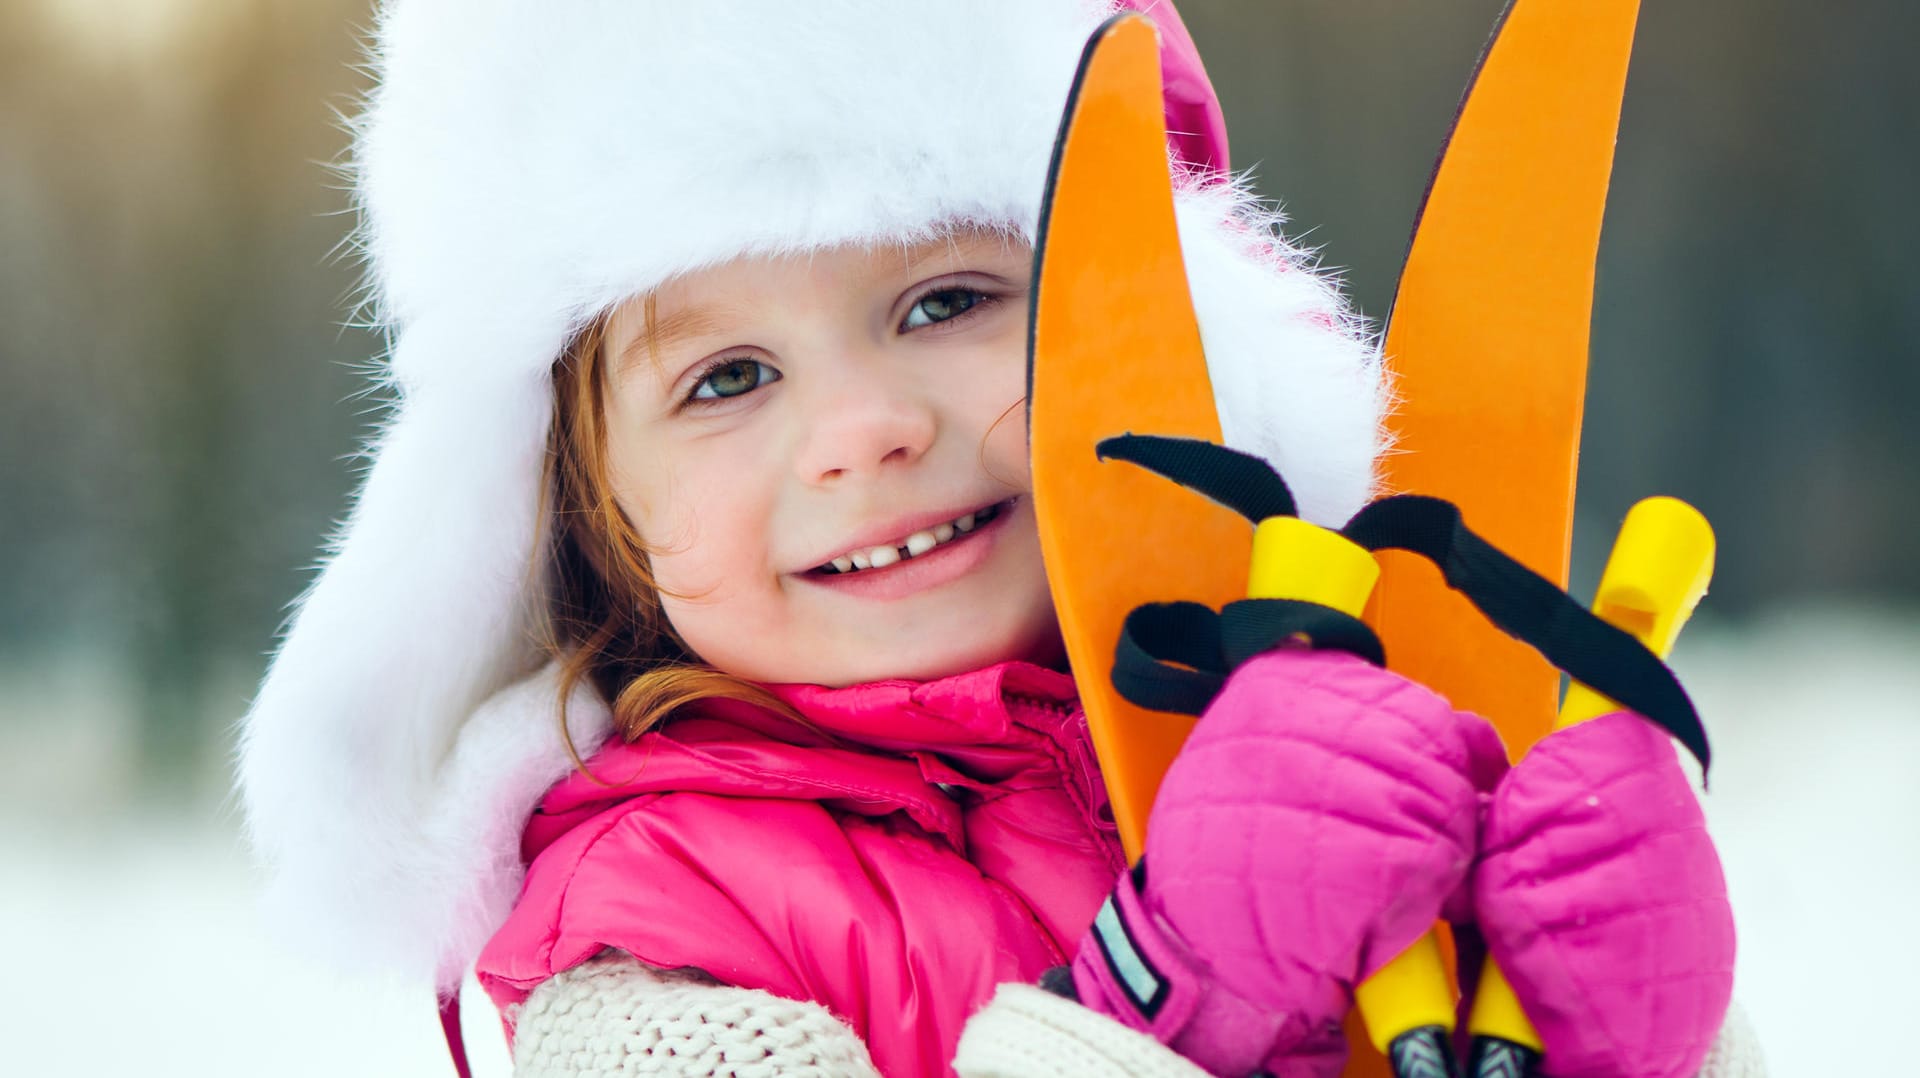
{"x":430,"y":603}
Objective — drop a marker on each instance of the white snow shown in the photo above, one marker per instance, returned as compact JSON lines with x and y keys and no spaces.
{"x":1815,"y":805}
{"x":147,"y":958}
{"x":133,"y":947}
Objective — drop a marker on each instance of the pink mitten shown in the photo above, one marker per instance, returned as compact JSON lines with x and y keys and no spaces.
{"x":1319,"y":818}
{"x":1601,"y":896}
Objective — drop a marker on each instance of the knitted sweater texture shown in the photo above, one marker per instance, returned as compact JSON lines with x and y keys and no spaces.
{"x":615,"y":1017}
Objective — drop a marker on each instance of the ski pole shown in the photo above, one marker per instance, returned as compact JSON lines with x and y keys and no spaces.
{"x":1408,"y":1004}
{"x":1655,"y":576}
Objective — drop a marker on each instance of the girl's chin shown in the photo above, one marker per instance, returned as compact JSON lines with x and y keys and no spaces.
{"x":934,"y":666}
{"x":926,"y":660}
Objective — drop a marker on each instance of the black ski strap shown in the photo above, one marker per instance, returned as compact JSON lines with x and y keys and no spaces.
{"x":1249,"y":627}
{"x":1532,"y":610}
{"x":1169,"y":658}
{"x":1176,"y":656}
{"x":1240,"y":481}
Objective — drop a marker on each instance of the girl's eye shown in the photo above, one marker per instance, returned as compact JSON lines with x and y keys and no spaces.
{"x":732,"y":378}
{"x":940,"y":306}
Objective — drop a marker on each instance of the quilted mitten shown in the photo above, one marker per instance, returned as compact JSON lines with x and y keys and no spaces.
{"x":1601,"y":896}
{"x":1321,"y":815}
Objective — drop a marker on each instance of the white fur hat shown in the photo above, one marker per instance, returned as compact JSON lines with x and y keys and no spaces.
{"x":522,"y":166}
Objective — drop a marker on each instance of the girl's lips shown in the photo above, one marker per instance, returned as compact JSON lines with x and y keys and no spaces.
{"x":895,"y":533}
{"x":946,"y":562}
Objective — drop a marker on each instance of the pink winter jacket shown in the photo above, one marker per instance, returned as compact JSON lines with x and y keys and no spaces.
{"x":911,"y":848}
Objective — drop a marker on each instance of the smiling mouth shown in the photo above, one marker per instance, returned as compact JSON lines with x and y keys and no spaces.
{"x":867,"y":559}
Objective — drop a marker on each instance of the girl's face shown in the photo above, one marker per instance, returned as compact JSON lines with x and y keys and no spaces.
{"x":826,"y":455}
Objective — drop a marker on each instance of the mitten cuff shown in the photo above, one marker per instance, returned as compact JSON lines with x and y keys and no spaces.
{"x":1027,"y":1032}
{"x":1134,"y":968}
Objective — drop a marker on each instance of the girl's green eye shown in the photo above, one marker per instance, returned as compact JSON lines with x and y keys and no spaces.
{"x":940,"y":306}
{"x":733,"y":378}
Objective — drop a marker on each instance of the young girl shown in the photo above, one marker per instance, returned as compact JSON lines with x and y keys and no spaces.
{"x":687,"y":664}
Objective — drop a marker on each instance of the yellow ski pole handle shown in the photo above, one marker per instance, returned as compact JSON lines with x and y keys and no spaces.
{"x":1655,"y":576}
{"x":1658,"y":572}
{"x":1294,"y":559}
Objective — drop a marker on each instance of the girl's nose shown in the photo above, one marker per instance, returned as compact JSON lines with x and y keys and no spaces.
{"x":861,"y":426}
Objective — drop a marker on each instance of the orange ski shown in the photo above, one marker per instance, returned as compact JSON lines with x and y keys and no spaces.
{"x":1111,"y":284}
{"x":1487,"y":342}
{"x":1114,"y":538}
{"x":1487,"y":345}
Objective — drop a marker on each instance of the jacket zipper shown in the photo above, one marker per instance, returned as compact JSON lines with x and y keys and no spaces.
{"x":1080,"y":766}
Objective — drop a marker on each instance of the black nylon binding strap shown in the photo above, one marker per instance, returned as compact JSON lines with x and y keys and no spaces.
{"x":1252,"y":626}
{"x":1243,"y":483}
{"x":1176,"y":656}
{"x":1529,"y":608}
{"x":1153,"y":639}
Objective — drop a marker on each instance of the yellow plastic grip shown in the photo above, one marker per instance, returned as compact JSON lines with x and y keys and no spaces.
{"x":1655,"y":576}
{"x":1409,"y":992}
{"x":1497,"y":1012}
{"x":1295,"y":559}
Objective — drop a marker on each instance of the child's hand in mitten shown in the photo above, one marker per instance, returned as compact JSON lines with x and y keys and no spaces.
{"x":1319,"y":818}
{"x":1601,"y":897}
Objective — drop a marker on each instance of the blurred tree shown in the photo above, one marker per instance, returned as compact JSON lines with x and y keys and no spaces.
{"x":173,"y":362}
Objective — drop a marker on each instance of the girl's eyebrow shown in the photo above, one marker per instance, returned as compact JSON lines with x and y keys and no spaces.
{"x":662,"y":332}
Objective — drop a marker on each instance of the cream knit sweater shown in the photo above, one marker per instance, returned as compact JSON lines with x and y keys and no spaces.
{"x":617,"y":1018}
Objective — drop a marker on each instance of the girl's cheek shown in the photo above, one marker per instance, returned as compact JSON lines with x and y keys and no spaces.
{"x":705,"y":521}
{"x":1006,"y":443}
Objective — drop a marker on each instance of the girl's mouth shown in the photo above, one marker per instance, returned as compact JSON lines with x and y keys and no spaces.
{"x":909,"y":547}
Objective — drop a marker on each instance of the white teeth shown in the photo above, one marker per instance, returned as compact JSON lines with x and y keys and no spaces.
{"x":911,"y":547}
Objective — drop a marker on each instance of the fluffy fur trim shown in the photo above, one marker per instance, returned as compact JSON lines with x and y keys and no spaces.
{"x":544,"y":160}
{"x":523,"y":166}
